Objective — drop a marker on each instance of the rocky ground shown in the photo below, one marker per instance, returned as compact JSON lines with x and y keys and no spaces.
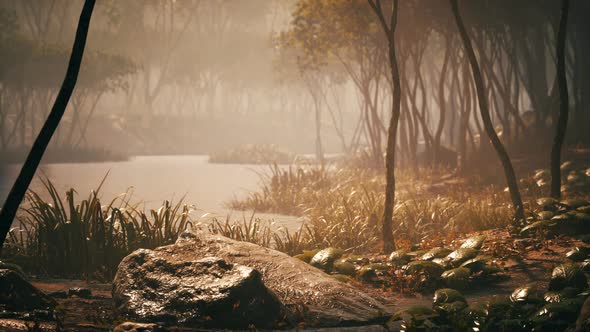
{"x":492,"y":280}
{"x":521,"y":260}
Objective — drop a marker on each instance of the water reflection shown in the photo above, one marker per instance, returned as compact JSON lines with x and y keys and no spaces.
{"x":153,"y":179}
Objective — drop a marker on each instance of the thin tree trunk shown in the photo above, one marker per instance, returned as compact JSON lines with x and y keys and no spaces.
{"x":388,"y":241}
{"x":563,"y":103}
{"x":441,"y":103}
{"x":34,"y":158}
{"x":485,"y":115}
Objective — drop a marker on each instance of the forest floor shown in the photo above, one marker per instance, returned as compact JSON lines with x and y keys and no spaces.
{"x":523,"y":260}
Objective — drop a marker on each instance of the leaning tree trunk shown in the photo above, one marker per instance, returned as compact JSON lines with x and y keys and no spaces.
{"x":388,"y":241}
{"x":563,"y":103}
{"x":487,"y":121}
{"x":34,"y":158}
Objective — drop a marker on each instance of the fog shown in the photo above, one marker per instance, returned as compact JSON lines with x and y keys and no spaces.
{"x":162,"y":77}
{"x":195,"y":77}
{"x":294,"y":164}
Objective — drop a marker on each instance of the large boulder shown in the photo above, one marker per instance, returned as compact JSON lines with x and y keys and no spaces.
{"x":152,"y":281}
{"x":158,"y":286}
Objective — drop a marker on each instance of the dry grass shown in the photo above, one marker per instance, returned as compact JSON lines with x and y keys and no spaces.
{"x":67,"y":237}
{"x":343,"y":206}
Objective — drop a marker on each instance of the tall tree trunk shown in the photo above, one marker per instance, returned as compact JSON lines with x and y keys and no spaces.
{"x":388,"y":241}
{"x":34,"y":158}
{"x":319,"y":150}
{"x":441,"y":103}
{"x":485,"y":115}
{"x":563,"y":103}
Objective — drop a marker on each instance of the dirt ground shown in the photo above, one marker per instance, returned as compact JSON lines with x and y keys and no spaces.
{"x":523,"y":260}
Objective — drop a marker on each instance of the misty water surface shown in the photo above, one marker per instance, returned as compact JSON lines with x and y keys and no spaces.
{"x":153,"y":179}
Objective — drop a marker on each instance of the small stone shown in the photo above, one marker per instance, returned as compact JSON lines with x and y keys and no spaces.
{"x":324,"y":259}
{"x":80,"y":292}
{"x":138,"y":327}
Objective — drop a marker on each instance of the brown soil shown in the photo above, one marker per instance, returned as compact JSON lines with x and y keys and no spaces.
{"x":524,"y":261}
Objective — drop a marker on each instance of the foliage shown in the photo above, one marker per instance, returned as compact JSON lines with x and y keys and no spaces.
{"x":253,"y":230}
{"x":253,"y":154}
{"x":76,"y":239}
{"x":341,"y":206}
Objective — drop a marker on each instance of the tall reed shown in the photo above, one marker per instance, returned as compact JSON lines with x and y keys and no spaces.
{"x":83,"y":238}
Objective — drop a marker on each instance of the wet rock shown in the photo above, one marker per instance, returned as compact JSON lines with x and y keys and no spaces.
{"x":84,"y":293}
{"x":17,"y":294}
{"x":578,"y":254}
{"x":456,"y":278}
{"x":476,"y":264}
{"x":547,"y":203}
{"x":566,"y":166}
{"x":498,"y":306}
{"x":399,"y":257}
{"x":528,"y":294}
{"x":573,"y":203}
{"x":474,"y":242}
{"x":417,"y":253}
{"x":307,"y":255}
{"x":370,"y":273}
{"x":307,"y":294}
{"x":462,"y":255}
{"x":561,"y":217}
{"x":421,"y":267}
{"x":584,"y":209}
{"x":567,"y":275}
{"x":208,"y":292}
{"x":436,"y":253}
{"x":451,"y":308}
{"x":356,"y":260}
{"x":367,"y":274}
{"x":575,"y":177}
{"x":545,"y":215}
{"x":445,"y":262}
{"x":324,"y":259}
{"x":585,"y":265}
{"x":557,"y":316}
{"x":448,"y":295}
{"x":138,"y":327}
{"x":566,"y":293}
{"x":345,"y":268}
{"x":539,"y":226}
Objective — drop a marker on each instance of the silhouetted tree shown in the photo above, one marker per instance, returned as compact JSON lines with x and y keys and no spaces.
{"x":561,"y":128}
{"x":388,"y":241}
{"x":34,"y":158}
{"x":485,"y":115}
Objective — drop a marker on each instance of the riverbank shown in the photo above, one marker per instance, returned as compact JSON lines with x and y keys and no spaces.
{"x":63,"y":154}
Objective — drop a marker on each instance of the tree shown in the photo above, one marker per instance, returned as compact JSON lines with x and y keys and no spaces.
{"x":389,"y":30}
{"x":29,"y":168}
{"x":342,"y":36}
{"x":485,"y":115}
{"x":563,"y":103}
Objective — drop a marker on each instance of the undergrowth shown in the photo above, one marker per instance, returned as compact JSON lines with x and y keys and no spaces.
{"x":83,"y":238}
{"x":342,"y":206}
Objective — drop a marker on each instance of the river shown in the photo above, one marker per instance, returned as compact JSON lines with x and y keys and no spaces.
{"x":153,"y":179}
